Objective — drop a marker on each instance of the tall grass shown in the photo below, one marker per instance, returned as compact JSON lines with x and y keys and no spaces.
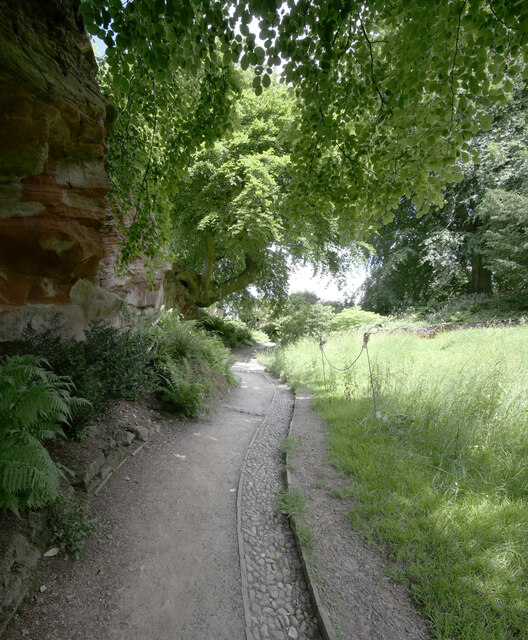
{"x":438,"y":464}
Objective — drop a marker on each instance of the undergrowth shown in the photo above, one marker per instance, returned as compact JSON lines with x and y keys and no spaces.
{"x":71,"y":525}
{"x":436,"y":464}
{"x":106,"y":365}
{"x":233,"y":333}
{"x":34,"y":402}
{"x":53,"y":385}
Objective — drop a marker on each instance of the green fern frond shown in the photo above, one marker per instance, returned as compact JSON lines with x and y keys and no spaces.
{"x":33,"y":403}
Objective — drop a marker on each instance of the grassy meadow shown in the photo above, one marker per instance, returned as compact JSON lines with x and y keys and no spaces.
{"x":437,"y":464}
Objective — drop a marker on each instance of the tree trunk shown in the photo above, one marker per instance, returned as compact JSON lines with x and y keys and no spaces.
{"x":480,"y":275}
{"x":201,"y":292}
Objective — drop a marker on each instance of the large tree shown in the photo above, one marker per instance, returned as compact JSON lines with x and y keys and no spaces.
{"x":391,"y":92}
{"x":232,"y":219}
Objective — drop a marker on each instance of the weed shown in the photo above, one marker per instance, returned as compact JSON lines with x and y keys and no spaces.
{"x":71,"y":525}
{"x":292,"y":503}
{"x":288,"y":446}
{"x":305,"y":535}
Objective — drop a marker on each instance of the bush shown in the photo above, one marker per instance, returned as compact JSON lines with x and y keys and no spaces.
{"x":179,"y":389}
{"x":33,"y":404}
{"x":353,"y":318}
{"x":108,"y":364}
{"x":233,"y":333}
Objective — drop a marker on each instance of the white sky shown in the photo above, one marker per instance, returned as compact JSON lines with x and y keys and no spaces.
{"x":302,"y":279}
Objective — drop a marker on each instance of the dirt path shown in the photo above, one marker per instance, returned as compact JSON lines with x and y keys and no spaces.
{"x":167,"y":565}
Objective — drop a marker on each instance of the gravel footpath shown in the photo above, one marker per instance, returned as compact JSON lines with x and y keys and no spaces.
{"x":276,"y":599}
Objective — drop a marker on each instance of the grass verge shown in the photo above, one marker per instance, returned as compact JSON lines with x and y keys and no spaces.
{"x":437,"y":468}
{"x":292,"y":503}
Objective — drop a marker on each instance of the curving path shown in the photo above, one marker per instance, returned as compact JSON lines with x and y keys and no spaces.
{"x":174,"y":562}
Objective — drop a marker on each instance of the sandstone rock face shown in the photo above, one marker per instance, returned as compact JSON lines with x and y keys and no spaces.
{"x":136,"y":287}
{"x":53,"y":127}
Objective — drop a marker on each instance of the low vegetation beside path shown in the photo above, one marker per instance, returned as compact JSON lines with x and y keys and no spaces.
{"x":434,"y":441}
{"x":51,"y":386}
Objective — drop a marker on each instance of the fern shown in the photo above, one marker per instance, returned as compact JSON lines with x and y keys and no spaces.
{"x":33,"y":403}
{"x":179,"y":390}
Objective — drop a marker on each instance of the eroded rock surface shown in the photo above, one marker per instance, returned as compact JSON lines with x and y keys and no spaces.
{"x":53,"y":127}
{"x":137,"y":287}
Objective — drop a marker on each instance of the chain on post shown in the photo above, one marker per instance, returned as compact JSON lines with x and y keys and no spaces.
{"x":321,"y":346}
{"x":364,"y":347}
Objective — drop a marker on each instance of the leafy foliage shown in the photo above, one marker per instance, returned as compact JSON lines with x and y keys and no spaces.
{"x":353,"y":318}
{"x":161,"y":122}
{"x":458,"y":249}
{"x":234,"y":206}
{"x":503,"y":238}
{"x":302,"y":315}
{"x":233,"y":333}
{"x":71,"y":525}
{"x":108,"y":364}
{"x":183,"y":340}
{"x":179,"y":388}
{"x":390,"y":90}
{"x":177,"y":344}
{"x":33,"y":404}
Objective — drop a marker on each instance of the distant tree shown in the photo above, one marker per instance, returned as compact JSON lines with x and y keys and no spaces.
{"x":502,"y":239}
{"x":303,"y":315}
{"x":451,"y":250}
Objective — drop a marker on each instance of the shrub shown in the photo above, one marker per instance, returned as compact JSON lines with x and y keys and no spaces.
{"x":33,"y":403}
{"x":233,"y":333}
{"x":108,"y":364}
{"x":353,"y":318}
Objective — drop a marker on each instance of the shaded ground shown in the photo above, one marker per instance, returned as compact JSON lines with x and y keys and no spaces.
{"x":166,"y":565}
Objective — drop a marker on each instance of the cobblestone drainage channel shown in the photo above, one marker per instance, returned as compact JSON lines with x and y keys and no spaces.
{"x":276,"y":597}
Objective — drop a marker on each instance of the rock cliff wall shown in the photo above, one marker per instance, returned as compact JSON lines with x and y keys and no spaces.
{"x":53,"y":127}
{"x":58,"y":240}
{"x":136,"y":287}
